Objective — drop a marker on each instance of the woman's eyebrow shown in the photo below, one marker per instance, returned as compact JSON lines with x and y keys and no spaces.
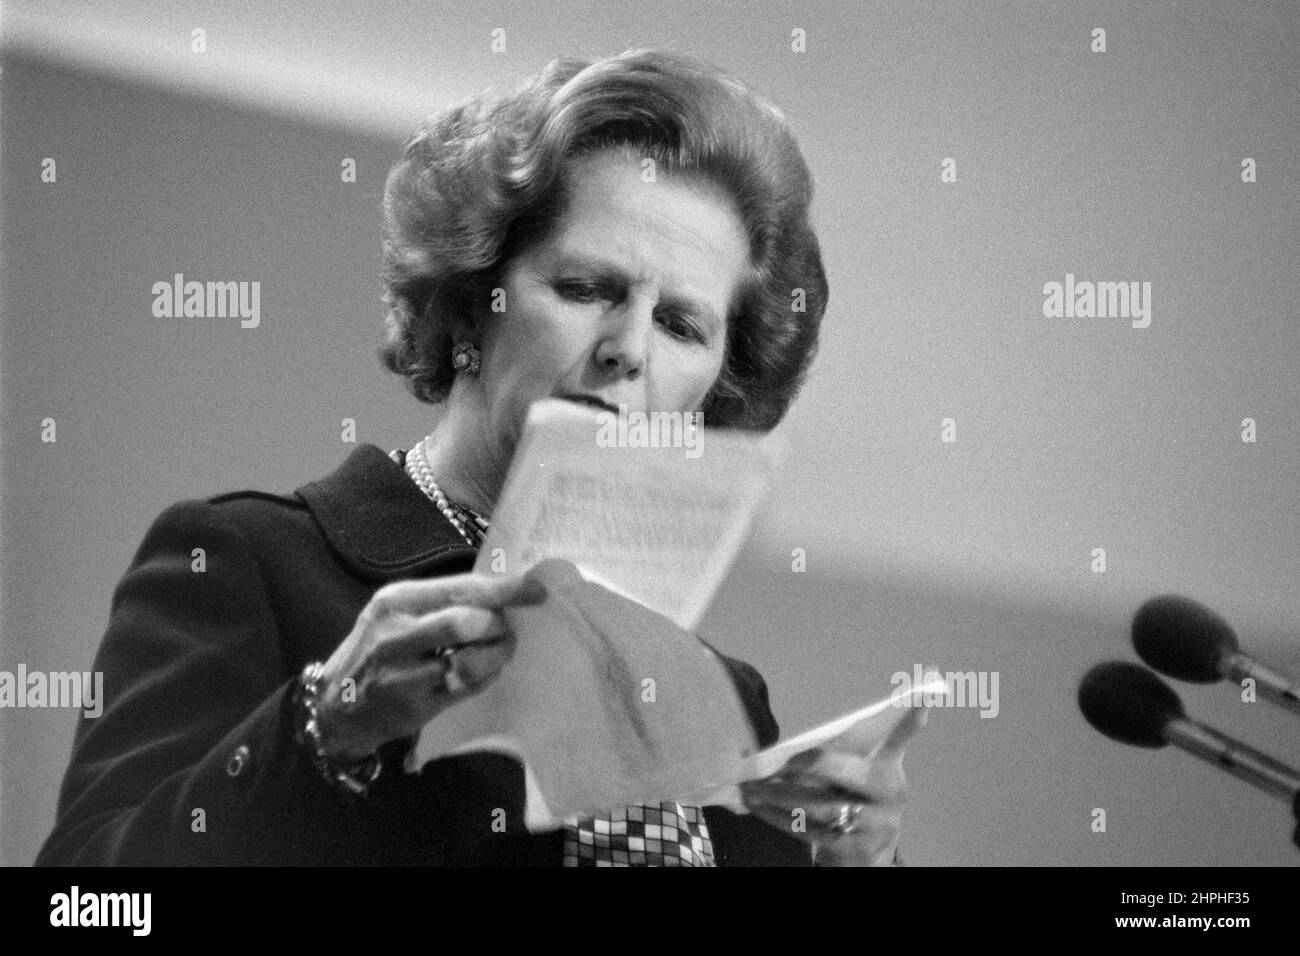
{"x":588,"y":262}
{"x":604,"y":268}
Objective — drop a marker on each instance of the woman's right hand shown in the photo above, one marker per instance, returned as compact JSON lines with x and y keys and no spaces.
{"x":387,"y":680}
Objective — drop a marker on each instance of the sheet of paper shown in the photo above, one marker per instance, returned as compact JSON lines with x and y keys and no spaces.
{"x":659,"y":523}
{"x":605,"y":703}
{"x":860,"y":731}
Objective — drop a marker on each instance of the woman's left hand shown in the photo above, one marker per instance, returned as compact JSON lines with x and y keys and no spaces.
{"x":850,"y":807}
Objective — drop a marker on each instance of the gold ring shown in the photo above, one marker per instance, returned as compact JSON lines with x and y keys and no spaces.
{"x":849,"y":818}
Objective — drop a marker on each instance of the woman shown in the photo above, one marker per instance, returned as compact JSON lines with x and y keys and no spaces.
{"x":629,"y":232}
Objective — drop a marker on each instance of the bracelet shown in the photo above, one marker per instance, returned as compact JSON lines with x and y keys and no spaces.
{"x":353,"y":779}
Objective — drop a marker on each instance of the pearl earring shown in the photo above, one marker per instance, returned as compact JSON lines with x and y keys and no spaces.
{"x":465,"y":358}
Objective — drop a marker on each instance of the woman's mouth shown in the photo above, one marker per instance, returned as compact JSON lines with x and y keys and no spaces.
{"x":591,"y":401}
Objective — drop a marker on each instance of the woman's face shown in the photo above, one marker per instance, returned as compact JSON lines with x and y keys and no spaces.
{"x":625,"y":301}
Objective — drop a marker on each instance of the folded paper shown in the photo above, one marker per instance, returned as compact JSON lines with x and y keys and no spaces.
{"x":606,"y":703}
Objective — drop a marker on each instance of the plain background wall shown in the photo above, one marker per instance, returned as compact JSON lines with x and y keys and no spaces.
{"x":1072,"y":434}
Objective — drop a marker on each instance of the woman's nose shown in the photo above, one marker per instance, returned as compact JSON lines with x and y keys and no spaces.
{"x":625,"y":338}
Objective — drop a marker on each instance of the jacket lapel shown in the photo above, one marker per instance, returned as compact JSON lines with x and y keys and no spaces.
{"x":380,"y":522}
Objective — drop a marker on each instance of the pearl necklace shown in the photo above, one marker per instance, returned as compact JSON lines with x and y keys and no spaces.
{"x":470,"y":525}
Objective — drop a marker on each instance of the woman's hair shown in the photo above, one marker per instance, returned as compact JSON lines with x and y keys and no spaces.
{"x":484,"y":178}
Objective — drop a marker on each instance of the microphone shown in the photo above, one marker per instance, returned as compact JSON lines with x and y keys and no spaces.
{"x":1130,"y":704}
{"x":1184,"y":639}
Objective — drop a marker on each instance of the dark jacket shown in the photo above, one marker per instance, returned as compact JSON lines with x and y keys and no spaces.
{"x":193,"y":760}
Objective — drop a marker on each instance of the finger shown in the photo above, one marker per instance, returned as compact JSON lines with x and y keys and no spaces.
{"x":790,"y":792}
{"x":426,"y":636}
{"x":874,"y":779}
{"x":801,"y":761}
{"x":808,"y":759}
{"x":420,"y":686}
{"x":420,"y":597}
{"x":807,"y":790}
{"x":787,"y":798}
{"x":819,"y":819}
{"x":870,"y":824}
{"x":462,"y":674}
{"x":476,"y":665}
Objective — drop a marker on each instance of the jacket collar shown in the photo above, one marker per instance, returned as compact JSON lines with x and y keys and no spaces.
{"x":380,"y":522}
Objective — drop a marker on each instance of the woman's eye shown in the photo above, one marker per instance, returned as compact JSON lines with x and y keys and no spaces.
{"x":677,"y":325}
{"x":581,"y":291}
{"x":683,"y":328}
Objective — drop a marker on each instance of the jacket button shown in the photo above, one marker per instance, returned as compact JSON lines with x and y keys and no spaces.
{"x":238,"y":760}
